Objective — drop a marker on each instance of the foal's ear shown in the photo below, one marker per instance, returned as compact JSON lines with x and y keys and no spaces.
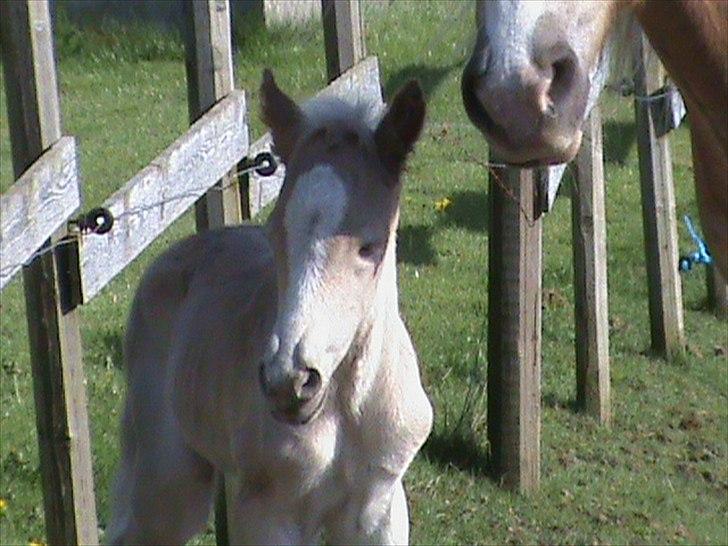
{"x":281,"y":115}
{"x":400,"y":127}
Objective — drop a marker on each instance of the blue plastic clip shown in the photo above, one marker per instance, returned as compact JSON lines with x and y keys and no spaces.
{"x":700,"y":256}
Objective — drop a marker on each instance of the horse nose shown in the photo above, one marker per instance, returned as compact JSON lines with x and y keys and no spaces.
{"x":297,"y":386}
{"x":289,"y":387}
{"x":530,"y":111}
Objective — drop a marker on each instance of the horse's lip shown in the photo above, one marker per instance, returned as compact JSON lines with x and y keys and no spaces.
{"x":543,"y":162}
{"x":293,"y":416}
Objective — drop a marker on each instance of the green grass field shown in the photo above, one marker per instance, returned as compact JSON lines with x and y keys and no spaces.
{"x":659,"y":475}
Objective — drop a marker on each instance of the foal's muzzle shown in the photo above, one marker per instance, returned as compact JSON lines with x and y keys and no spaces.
{"x":296,"y":394}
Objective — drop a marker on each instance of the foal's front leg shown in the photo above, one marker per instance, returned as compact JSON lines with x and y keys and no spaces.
{"x":380,"y":516}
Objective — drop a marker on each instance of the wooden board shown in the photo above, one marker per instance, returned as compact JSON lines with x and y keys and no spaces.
{"x":161,"y":192}
{"x":589,"y":242}
{"x":514,"y":327}
{"x":658,"y":212}
{"x":360,"y":83}
{"x":39,"y":203}
{"x":59,"y":391}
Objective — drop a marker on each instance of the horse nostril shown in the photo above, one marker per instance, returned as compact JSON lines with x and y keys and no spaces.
{"x":262,"y":380}
{"x":560,"y":65}
{"x":308,"y":385}
{"x":562,"y":83}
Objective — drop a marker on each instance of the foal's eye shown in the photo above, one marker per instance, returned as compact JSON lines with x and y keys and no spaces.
{"x":371,"y":251}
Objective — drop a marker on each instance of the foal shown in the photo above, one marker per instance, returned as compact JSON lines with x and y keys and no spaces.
{"x":276,"y":356}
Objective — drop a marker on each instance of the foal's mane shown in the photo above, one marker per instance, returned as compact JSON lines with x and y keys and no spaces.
{"x":360,"y":116}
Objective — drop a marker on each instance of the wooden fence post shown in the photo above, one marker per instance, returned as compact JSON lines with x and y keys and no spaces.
{"x":658,"y":211}
{"x":55,"y":340}
{"x":209,"y":64}
{"x":591,"y":316}
{"x":514,"y":327}
{"x":343,"y":35}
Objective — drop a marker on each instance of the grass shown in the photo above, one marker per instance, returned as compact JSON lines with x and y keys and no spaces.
{"x":659,"y":475}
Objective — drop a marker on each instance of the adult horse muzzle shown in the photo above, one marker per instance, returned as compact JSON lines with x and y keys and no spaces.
{"x":531,"y":114}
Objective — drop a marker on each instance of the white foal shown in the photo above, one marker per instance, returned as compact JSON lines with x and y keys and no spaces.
{"x":276,"y":356}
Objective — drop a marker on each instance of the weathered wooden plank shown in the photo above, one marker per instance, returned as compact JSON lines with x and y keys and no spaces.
{"x":361,"y":84}
{"x":209,"y":64}
{"x":658,"y":211}
{"x":343,"y":35}
{"x":161,"y":192}
{"x":54,"y":335}
{"x":591,"y":315}
{"x":37,"y":205}
{"x":514,"y":327}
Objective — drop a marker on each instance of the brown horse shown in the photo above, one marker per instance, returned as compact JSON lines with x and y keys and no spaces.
{"x":538,"y":67}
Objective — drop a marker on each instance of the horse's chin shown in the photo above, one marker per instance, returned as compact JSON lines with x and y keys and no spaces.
{"x":537,"y":157}
{"x":301,"y":415}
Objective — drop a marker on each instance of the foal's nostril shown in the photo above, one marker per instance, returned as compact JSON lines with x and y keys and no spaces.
{"x":261,"y":379}
{"x":308,"y":384}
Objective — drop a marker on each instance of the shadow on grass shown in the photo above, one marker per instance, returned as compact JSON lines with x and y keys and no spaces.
{"x":461,"y":451}
{"x":458,"y":448}
{"x":550,"y":400}
{"x":454,"y":441}
{"x":430,"y":78}
{"x":111,"y":346}
{"x":414,"y":245}
{"x":619,"y":138}
{"x":469,"y":210}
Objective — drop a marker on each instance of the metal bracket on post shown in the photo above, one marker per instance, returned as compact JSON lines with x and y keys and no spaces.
{"x":548,"y":181}
{"x":68,"y":266}
{"x":668,"y":109}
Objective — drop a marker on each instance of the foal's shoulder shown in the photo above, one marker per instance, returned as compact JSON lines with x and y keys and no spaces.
{"x":216,"y":251}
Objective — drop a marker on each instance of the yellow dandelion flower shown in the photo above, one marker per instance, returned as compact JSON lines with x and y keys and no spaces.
{"x":3,"y":505}
{"x":441,"y":205}
{"x":36,"y":543}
